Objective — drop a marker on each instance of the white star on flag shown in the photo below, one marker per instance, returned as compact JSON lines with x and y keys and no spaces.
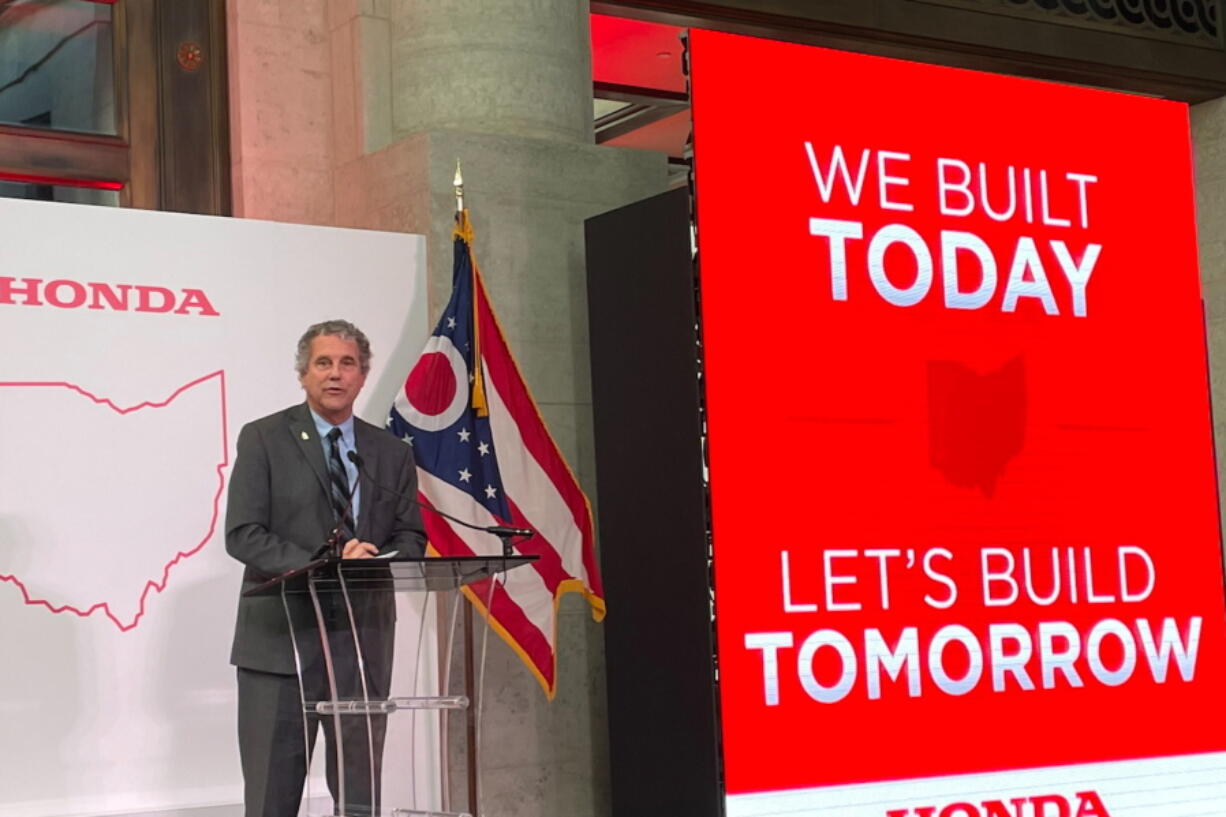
{"x":484,"y":448}
{"x":490,"y":490}
{"x":451,"y":323}
{"x":464,"y":434}
{"x":465,"y":476}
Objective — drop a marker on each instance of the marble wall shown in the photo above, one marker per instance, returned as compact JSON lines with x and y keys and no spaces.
{"x":281,"y":110}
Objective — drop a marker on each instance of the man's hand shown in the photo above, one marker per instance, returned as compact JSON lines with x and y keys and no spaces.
{"x":358,"y":550}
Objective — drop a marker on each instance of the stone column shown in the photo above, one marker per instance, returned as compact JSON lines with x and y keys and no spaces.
{"x":488,"y":66}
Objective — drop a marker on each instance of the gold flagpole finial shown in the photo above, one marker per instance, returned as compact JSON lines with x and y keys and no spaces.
{"x":458,"y":183}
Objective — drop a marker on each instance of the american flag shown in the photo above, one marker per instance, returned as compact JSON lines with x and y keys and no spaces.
{"x":485,"y":456}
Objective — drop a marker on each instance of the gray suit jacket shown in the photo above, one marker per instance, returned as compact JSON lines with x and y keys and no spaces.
{"x":279,"y":515}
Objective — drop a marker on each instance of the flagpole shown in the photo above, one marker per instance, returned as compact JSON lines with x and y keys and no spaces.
{"x":470,"y":686}
{"x":470,"y":682}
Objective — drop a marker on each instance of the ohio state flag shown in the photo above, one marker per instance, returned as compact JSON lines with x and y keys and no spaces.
{"x":484,"y":455}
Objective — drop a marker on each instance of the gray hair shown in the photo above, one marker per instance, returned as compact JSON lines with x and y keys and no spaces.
{"x":338,"y":328}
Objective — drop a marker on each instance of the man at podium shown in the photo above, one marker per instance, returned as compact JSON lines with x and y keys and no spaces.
{"x":295,"y":484}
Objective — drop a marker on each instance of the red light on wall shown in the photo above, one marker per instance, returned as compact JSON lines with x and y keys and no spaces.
{"x":59,"y":181}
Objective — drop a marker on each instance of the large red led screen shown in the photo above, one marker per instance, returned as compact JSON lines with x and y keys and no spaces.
{"x":967,"y":557}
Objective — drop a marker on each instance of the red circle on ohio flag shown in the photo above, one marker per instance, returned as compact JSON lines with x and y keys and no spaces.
{"x":431,"y":385}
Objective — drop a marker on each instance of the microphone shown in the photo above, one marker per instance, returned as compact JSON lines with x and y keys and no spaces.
{"x":503,"y":532}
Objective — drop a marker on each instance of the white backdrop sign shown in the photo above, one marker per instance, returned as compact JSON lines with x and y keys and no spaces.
{"x":133,"y":345}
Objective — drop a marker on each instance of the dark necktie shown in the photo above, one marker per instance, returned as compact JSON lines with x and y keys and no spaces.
{"x":338,"y":480}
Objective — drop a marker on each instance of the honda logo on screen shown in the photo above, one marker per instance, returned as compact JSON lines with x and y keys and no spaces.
{"x":1081,"y":804}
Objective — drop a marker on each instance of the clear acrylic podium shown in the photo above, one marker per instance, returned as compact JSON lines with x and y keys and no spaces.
{"x":342,"y":620}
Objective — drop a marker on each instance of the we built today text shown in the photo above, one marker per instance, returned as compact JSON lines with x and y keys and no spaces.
{"x":1024,"y":196}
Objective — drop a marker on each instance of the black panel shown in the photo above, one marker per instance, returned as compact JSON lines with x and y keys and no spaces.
{"x":652,"y":518}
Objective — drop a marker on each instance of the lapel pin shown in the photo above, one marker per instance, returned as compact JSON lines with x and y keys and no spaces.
{"x":305,"y":436}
